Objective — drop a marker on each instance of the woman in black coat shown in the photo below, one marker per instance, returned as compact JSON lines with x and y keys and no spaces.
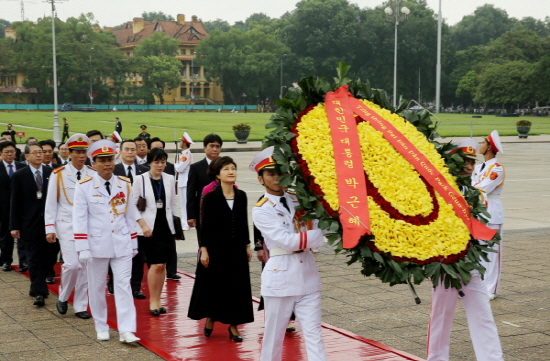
{"x":222,"y":291}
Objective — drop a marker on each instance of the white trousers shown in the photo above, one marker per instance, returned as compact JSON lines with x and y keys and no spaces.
{"x":494,"y":266}
{"x":182,"y":192}
{"x":277,"y":313}
{"x":97,"y":280}
{"x":74,"y":276}
{"x":483,"y":330}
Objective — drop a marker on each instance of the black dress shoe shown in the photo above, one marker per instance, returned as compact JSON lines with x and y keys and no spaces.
{"x":6,"y":267}
{"x":155,"y":312}
{"x":173,"y":276}
{"x":50,"y":280}
{"x":23,"y":268}
{"x":208,"y":331}
{"x":83,"y":315}
{"x":39,"y":301}
{"x":138,"y":295}
{"x":61,"y":307}
{"x":110,"y":288}
{"x":162,"y":310}
{"x":236,"y":338}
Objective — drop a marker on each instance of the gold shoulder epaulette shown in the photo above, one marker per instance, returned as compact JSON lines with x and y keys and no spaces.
{"x":84,"y":180}
{"x":58,"y":169}
{"x":92,"y":168}
{"x":261,"y":202}
{"x":126,"y":179}
{"x":291,"y":192}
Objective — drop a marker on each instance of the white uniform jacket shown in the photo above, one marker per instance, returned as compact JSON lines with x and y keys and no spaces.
{"x":104,"y":224}
{"x":182,"y":167}
{"x":490,"y":181}
{"x":59,"y":202}
{"x":291,"y":274}
{"x":150,"y":212}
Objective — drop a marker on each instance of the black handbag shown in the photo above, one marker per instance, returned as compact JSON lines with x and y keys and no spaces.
{"x":142,"y":202}
{"x":178,"y":228}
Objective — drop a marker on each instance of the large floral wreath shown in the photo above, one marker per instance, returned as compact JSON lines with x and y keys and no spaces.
{"x":415,"y":233}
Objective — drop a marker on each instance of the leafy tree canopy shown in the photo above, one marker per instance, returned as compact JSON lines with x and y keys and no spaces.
{"x":157,"y":44}
{"x":153,"y":15}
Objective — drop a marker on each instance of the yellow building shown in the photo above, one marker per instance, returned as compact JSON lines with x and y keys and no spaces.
{"x":194,"y":87}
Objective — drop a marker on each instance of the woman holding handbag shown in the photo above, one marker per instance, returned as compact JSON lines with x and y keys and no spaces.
{"x":222,"y":291}
{"x":154,"y":196}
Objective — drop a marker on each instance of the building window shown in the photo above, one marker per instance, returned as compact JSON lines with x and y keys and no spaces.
{"x":183,"y":51}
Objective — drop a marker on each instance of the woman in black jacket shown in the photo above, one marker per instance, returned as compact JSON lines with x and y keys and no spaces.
{"x":222,"y":291}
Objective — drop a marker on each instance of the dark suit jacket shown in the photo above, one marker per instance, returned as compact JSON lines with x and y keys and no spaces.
{"x":118,"y":127}
{"x":122,"y":169}
{"x":5,"y":193}
{"x":27,"y":212}
{"x":198,"y":179}
{"x":170,"y":169}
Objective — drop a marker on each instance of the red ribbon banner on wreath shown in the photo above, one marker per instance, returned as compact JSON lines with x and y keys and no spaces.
{"x":352,"y":188}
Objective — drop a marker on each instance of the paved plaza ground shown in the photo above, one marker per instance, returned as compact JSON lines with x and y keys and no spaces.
{"x":361,"y":305}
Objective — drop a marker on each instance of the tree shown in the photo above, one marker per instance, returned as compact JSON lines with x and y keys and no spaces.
{"x":467,"y":86}
{"x":156,"y":45}
{"x":151,"y":16}
{"x":486,"y":24}
{"x":219,"y":24}
{"x":242,"y":62}
{"x":160,"y":75}
{"x":507,"y":83}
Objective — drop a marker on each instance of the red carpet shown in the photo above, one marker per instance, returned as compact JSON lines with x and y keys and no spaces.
{"x":175,"y":337}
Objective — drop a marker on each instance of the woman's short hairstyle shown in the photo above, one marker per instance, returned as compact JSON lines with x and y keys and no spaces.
{"x":216,"y":166}
{"x":156,"y":154}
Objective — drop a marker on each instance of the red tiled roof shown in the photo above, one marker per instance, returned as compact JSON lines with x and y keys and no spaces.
{"x":14,"y":89}
{"x":183,"y":32}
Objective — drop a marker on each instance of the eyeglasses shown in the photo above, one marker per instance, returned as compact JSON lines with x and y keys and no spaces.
{"x":8,"y":151}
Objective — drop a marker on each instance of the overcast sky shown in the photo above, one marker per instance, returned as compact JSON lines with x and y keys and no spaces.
{"x":115,"y":12}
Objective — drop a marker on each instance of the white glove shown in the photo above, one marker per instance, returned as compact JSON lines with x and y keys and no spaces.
{"x":134,"y":252}
{"x":84,"y":256}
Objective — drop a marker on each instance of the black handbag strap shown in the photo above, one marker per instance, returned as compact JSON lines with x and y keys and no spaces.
{"x":143,"y":184}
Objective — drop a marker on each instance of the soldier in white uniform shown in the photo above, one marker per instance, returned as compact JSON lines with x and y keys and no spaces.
{"x":290,"y":280}
{"x":488,"y":177}
{"x":59,"y":224}
{"x":182,"y":167}
{"x":104,"y":223}
{"x":483,"y":331}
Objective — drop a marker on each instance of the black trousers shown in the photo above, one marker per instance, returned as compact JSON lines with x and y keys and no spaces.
{"x":7,"y":244}
{"x":37,"y":262}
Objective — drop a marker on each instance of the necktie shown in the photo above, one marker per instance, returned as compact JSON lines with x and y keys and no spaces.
{"x":78,"y":175}
{"x":130,"y":174}
{"x":38,"y":179}
{"x":283,"y":202}
{"x":482,"y":167}
{"x":107,"y":184}
{"x":10,"y":172}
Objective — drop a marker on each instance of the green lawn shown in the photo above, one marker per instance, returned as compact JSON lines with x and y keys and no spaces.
{"x":170,"y":125}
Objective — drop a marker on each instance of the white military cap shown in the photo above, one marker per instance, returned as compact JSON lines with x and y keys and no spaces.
{"x":102,"y":148}
{"x":494,"y":140}
{"x":186,"y":138}
{"x":116,"y":137}
{"x":468,"y":146}
{"x":263,"y":160}
{"x":78,"y":141}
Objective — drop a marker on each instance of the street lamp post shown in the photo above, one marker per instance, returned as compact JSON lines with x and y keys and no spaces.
{"x":244,"y":101}
{"x":91,"y":90}
{"x":438,"y":65}
{"x":56,"y":137}
{"x":396,"y":15}
{"x":281,"y":93}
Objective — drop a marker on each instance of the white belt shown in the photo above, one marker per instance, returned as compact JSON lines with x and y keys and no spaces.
{"x":279,"y":252}
{"x":493,"y":196}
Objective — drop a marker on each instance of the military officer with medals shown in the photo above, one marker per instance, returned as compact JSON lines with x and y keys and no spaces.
{"x":488,"y":177}
{"x":59,"y":224}
{"x":104,"y":224}
{"x":290,"y":279}
{"x":182,"y":167}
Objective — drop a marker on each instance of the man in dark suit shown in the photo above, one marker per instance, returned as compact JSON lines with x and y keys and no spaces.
{"x":118,"y":126}
{"x":8,"y":167}
{"x":11,"y":136}
{"x":52,"y":249}
{"x":28,"y":196}
{"x":198,"y":179}
{"x":129,"y":168}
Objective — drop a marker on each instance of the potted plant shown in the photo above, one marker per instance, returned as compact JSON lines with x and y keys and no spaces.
{"x":523,"y":127}
{"x":242,"y":131}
